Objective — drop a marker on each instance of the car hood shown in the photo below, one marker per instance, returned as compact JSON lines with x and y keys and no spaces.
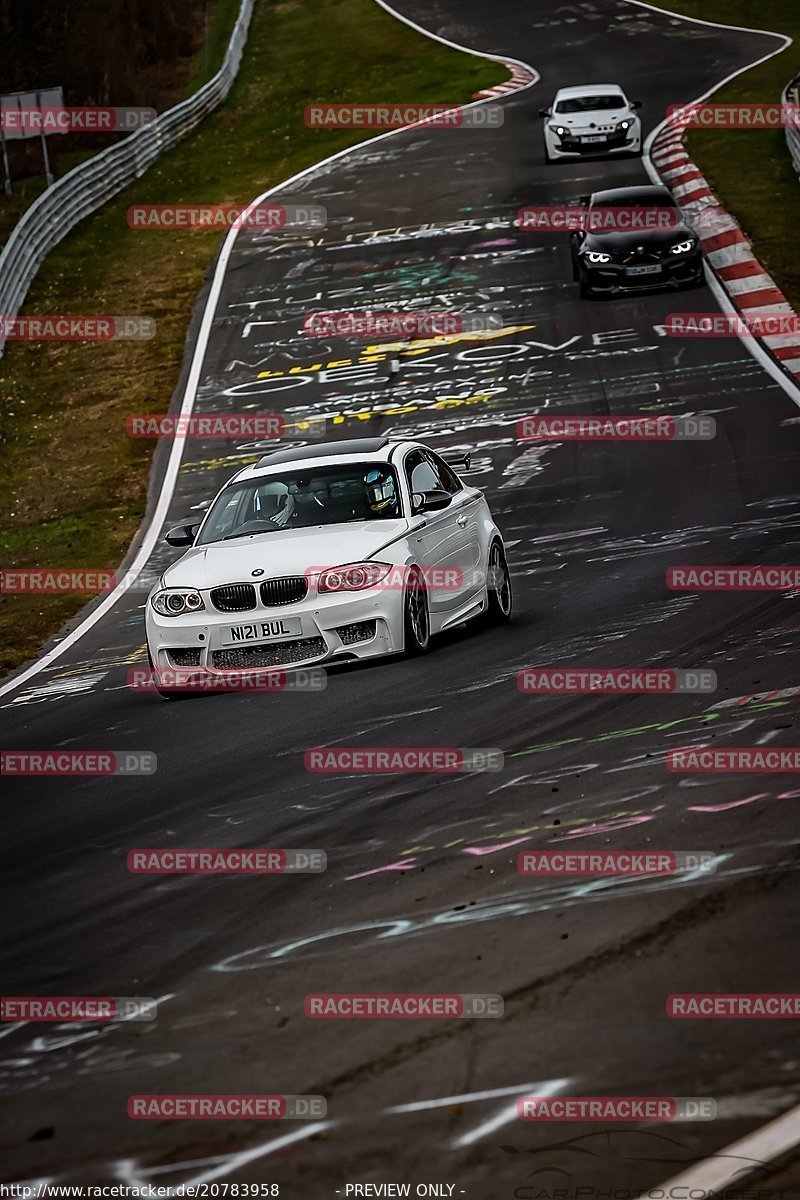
{"x":281,"y":553}
{"x":627,"y":239}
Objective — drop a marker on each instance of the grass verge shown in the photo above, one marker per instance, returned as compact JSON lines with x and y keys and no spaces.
{"x":752,"y":172}
{"x":73,"y":487}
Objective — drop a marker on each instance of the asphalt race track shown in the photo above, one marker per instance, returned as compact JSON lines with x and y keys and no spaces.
{"x":421,"y":891}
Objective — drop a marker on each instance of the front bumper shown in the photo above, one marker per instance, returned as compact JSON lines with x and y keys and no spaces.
{"x":339,"y":628}
{"x":610,"y":278}
{"x":629,"y":142}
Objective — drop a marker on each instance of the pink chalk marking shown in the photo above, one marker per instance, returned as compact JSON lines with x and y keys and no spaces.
{"x":725,"y":807}
{"x":495,"y":848}
{"x":398,"y":866}
{"x":606,"y":827}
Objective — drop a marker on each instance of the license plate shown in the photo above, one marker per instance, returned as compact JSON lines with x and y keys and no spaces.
{"x":647,"y":270}
{"x":280,"y":630}
{"x":596,"y":137}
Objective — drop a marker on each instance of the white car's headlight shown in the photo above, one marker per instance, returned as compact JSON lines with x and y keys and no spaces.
{"x":174,"y":602}
{"x":559,"y":129}
{"x":354,"y":577}
{"x":596,"y":256}
{"x":626,"y":124}
{"x":684,"y":247}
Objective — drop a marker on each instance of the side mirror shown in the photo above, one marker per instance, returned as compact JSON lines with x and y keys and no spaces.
{"x":544,"y":112}
{"x":181,"y":535}
{"x":636,"y":104}
{"x":584,"y":200}
{"x":429,"y":501}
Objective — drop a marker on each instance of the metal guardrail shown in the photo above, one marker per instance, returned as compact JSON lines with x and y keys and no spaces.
{"x":791,"y":95}
{"x":88,"y":186}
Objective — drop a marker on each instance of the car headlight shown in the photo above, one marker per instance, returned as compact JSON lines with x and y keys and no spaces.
{"x":559,"y":129}
{"x":684,"y":247}
{"x":176,"y":601}
{"x":354,"y":577}
{"x":625,"y":124}
{"x":596,"y":256}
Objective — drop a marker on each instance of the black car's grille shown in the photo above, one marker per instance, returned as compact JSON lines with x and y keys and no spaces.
{"x":642,"y":256}
{"x":275,"y":592}
{"x":273,"y":655}
{"x":358,"y":631}
{"x":185,"y":657}
{"x":234,"y":597}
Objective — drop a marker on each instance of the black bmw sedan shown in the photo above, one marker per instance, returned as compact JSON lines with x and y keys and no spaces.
{"x":634,"y":239}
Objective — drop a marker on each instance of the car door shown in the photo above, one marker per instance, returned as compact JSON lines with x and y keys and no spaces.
{"x":443,"y":540}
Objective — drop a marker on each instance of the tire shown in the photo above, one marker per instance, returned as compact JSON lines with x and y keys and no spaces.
{"x":498,"y":587}
{"x":416,"y":617}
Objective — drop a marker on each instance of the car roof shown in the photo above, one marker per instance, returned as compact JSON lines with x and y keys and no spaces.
{"x":655,"y":190}
{"x":379,"y":449}
{"x":588,"y":89}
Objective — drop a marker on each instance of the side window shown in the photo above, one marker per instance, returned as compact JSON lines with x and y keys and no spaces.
{"x":449,"y":480}
{"x":420,"y":473}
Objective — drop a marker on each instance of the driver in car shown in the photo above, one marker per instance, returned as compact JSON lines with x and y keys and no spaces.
{"x":380,"y":491}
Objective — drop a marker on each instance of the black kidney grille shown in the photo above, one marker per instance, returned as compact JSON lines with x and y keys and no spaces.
{"x":275,"y":592}
{"x":234,"y":597}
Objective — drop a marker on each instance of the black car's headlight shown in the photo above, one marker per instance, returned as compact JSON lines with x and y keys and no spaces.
{"x":596,"y":256}
{"x":174,"y":602}
{"x":684,"y":247}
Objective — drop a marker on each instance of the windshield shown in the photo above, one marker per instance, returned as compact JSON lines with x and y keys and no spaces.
{"x":298,"y":498}
{"x":579,"y":104}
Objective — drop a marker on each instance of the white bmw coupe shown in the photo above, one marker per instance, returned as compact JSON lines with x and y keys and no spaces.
{"x":329,"y":552}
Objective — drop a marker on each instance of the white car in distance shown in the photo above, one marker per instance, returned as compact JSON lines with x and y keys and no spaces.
{"x":593,"y":119}
{"x":324,"y":553}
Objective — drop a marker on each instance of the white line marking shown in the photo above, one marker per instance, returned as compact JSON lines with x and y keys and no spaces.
{"x":507,"y":1113}
{"x":519,"y":1089}
{"x":233,"y":1162}
{"x":769,"y":1142}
